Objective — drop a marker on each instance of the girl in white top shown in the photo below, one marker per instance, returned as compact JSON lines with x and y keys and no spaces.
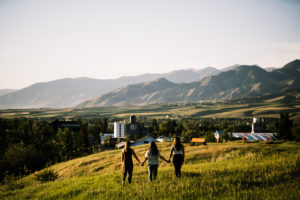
{"x":177,"y":151}
{"x":152,"y":156}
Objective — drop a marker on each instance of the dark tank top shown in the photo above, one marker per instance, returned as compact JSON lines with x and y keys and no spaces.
{"x":127,"y":155}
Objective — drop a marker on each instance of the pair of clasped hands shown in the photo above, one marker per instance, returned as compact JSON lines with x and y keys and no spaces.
{"x":142,"y":164}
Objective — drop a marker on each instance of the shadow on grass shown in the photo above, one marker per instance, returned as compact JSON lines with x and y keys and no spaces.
{"x":98,"y":169}
{"x":191,"y":174}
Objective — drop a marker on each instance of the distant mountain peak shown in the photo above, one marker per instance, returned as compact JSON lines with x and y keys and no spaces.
{"x":160,"y":81}
{"x":230,"y":67}
{"x":292,"y":65}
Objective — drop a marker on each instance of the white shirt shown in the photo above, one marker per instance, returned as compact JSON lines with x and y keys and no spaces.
{"x":152,"y":159}
{"x":175,"y":152}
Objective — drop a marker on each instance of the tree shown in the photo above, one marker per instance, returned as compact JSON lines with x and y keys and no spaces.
{"x":188,"y":135}
{"x":284,"y":126}
{"x":83,"y":140}
{"x":155,"y":125}
{"x":163,"y":128}
{"x":209,"y":136}
{"x":172,"y":127}
{"x":105,"y":125}
{"x":296,"y":132}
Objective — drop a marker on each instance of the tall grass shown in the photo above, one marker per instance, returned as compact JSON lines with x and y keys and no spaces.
{"x":216,"y":171}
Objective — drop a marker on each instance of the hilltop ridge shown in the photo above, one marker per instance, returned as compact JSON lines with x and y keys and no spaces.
{"x":241,"y":82}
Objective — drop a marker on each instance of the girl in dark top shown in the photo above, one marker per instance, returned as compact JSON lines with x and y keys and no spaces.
{"x":152,"y":156}
{"x":127,"y":153}
{"x":177,"y":150}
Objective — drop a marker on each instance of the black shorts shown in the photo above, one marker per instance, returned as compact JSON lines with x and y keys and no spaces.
{"x":178,"y":159}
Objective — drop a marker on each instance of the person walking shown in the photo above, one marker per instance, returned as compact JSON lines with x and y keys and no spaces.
{"x":127,"y":163}
{"x":152,"y":156}
{"x":177,"y":150}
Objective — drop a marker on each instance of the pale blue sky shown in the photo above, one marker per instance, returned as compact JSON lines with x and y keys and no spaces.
{"x":46,"y":40}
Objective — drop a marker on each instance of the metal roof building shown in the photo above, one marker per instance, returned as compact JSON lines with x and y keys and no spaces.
{"x":255,"y":136}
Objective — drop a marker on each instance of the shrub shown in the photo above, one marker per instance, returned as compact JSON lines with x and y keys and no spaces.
{"x":46,"y":175}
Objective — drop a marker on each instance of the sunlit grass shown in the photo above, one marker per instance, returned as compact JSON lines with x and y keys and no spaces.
{"x":216,"y":171}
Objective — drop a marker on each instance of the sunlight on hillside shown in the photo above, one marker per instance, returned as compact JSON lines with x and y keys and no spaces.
{"x":230,"y":170}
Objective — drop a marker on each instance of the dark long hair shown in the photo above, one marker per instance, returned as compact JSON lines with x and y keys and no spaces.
{"x":153,"y":149}
{"x":127,"y":145}
{"x":177,"y":144}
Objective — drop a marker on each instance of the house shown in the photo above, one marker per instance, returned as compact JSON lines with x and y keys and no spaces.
{"x":164,"y":139}
{"x":122,"y":144}
{"x":144,"y":140}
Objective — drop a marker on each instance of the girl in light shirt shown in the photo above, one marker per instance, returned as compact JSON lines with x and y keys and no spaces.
{"x":177,"y":151}
{"x":152,"y":156}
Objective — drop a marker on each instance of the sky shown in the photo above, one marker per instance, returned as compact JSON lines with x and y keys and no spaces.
{"x":47,"y":40}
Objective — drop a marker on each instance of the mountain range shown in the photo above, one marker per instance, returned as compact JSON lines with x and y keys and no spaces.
{"x":6,"y":91}
{"x":239,"y":82}
{"x":178,"y":86}
{"x":69,"y":92}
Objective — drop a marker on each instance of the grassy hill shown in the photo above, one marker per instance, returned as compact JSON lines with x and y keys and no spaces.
{"x":217,"y":171}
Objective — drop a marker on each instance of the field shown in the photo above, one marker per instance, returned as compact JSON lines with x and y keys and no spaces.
{"x":269,"y":105}
{"x":231,"y":170}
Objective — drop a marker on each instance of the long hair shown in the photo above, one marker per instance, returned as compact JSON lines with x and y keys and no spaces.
{"x":177,"y":144}
{"x":127,"y":145}
{"x":153,"y":149}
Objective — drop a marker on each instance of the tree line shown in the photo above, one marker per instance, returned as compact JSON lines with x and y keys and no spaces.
{"x":27,"y":145}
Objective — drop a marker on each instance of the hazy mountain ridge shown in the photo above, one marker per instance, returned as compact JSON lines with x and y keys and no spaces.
{"x":242,"y":81}
{"x":70,"y":92}
{"x":6,"y":91}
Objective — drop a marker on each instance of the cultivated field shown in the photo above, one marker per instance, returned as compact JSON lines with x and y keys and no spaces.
{"x":216,"y":171}
{"x":269,"y":105}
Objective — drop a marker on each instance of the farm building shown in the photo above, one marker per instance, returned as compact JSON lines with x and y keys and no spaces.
{"x":254,"y":136}
{"x":122,"y":144}
{"x":164,"y":139}
{"x":119,"y":130}
{"x":256,"y":132}
{"x":144,"y":140}
{"x":134,"y":128}
{"x":248,"y":136}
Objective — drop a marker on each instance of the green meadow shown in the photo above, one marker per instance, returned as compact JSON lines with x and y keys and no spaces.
{"x":233,"y":170}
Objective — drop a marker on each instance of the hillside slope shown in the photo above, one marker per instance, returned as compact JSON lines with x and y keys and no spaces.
{"x":217,"y":171}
